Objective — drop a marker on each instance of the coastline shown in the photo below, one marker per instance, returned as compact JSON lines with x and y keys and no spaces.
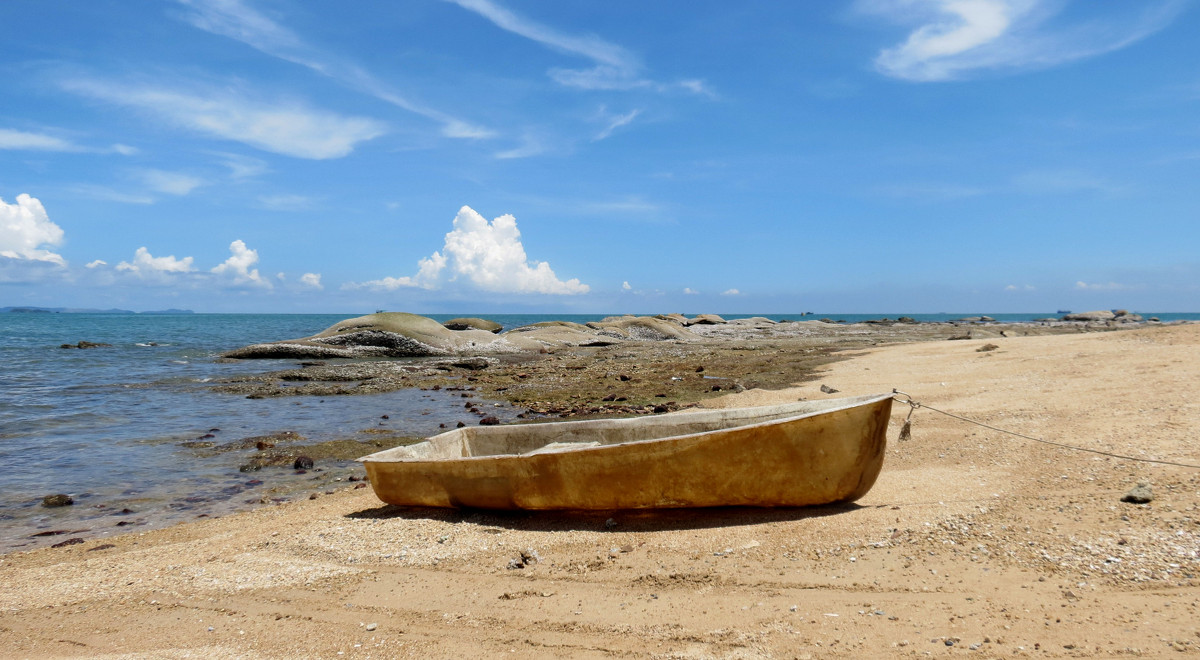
{"x":969,"y":538}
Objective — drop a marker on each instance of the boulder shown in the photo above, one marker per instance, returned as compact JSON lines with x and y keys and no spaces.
{"x":706,"y":319}
{"x":1100,"y":315}
{"x":387,"y":334}
{"x":471,"y":323}
{"x":641,"y":328}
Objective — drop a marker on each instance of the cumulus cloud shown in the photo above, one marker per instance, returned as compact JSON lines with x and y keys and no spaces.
{"x":238,"y":266}
{"x":312,"y":279}
{"x":486,"y":256}
{"x":97,"y":263}
{"x":689,"y":291}
{"x":625,"y":286}
{"x":954,"y":38}
{"x":25,"y":231}
{"x":1014,"y":287}
{"x":731,"y":292}
{"x":145,"y":264}
{"x":284,"y":127}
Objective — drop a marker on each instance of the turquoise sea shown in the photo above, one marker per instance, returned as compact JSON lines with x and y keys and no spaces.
{"x":106,"y":425}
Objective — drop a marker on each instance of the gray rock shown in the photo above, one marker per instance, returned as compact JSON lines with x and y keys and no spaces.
{"x":1139,"y":494}
{"x":1100,"y":315}
{"x":706,"y":319}
{"x":472,"y":323}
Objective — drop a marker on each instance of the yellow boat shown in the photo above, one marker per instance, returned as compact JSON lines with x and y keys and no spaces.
{"x":795,"y":454}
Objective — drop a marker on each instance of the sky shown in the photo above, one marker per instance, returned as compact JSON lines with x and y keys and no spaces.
{"x":447,"y":156}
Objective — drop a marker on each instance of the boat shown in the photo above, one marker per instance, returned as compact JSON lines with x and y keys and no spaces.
{"x":789,"y":455}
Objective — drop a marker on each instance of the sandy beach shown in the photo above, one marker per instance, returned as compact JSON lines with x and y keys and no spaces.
{"x":971,"y":542}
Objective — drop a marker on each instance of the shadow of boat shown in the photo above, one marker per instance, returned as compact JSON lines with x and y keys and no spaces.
{"x":625,"y":520}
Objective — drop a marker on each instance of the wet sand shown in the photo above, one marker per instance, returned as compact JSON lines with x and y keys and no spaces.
{"x":971,"y":540}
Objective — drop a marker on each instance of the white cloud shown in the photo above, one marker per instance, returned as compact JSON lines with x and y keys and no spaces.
{"x":23,"y":141}
{"x":311,"y":279}
{"x":283,"y":127}
{"x":25,"y":230}
{"x":233,"y":19}
{"x":285,"y":202}
{"x":615,"y":67}
{"x":97,"y":263}
{"x":615,"y":122}
{"x":171,"y":183}
{"x":1096,"y":286}
{"x":689,"y":291}
{"x":625,"y":286}
{"x":242,"y":167}
{"x":144,"y":264}
{"x":731,"y":292}
{"x":487,"y":256}
{"x":954,"y":38}
{"x":109,"y":195}
{"x":1014,"y":287}
{"x":238,"y":266}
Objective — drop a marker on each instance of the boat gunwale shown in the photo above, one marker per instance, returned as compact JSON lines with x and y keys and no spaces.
{"x":858,"y":401}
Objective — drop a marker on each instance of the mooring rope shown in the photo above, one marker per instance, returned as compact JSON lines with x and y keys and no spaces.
{"x":906,"y":433}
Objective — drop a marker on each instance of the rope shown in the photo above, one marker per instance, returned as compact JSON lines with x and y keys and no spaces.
{"x":905,"y":433}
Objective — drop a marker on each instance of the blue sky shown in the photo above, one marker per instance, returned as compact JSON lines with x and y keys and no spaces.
{"x":502,"y":156}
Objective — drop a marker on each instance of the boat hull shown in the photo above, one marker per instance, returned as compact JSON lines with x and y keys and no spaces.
{"x":802,"y":454}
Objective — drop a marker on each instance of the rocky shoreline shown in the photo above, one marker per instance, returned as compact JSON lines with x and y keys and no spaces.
{"x":624,"y":365}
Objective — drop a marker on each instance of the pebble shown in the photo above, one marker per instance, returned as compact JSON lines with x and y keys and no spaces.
{"x":372,"y":626}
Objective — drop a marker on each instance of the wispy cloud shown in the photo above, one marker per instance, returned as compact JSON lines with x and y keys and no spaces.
{"x":1066,"y":182}
{"x":13,"y":140}
{"x":237,"y":20}
{"x":171,"y":183}
{"x":615,"y":68}
{"x":954,"y":39}
{"x":286,"y":202}
{"x":614,"y":122}
{"x":104,"y":193}
{"x":290,"y":128}
{"x":242,"y":167}
{"x":1102,"y":286}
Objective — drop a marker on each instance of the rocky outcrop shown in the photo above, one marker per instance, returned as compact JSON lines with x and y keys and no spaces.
{"x":1100,"y":315}
{"x":706,"y":319}
{"x":472,"y":323}
{"x":396,"y":334}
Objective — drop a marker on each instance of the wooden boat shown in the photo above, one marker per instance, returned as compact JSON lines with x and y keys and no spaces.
{"x":795,"y":454}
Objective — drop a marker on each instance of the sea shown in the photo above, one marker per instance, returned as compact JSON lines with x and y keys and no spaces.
{"x":111,"y":427}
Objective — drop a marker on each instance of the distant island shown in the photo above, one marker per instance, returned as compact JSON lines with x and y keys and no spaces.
{"x":80,"y":310}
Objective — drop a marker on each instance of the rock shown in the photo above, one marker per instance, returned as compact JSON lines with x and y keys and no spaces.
{"x":74,"y":541}
{"x":1126,"y":317}
{"x":303,"y":463}
{"x":371,"y":627}
{"x":86,"y":344}
{"x":906,"y":319}
{"x":61,"y":499}
{"x":489,"y":421}
{"x":460,"y":425}
{"x":1101,"y":315}
{"x":829,"y":390}
{"x":387,"y":334}
{"x":706,"y":319}
{"x":473,"y":324}
{"x":474,"y":363}
{"x":645,"y":328}
{"x":986,"y":347}
{"x":1139,"y":494}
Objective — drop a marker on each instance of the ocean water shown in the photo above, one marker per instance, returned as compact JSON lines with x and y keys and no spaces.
{"x":106,"y":425}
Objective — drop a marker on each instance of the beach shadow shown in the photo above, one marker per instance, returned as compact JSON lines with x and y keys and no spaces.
{"x":631,"y":520}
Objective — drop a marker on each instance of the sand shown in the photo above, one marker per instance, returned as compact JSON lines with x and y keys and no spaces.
{"x":972,"y":542}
